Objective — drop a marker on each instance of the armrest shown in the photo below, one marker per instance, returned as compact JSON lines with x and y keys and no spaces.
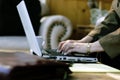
{"x":13,"y":43}
{"x":54,"y":29}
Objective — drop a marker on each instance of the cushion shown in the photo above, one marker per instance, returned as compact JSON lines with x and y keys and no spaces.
{"x":54,"y":29}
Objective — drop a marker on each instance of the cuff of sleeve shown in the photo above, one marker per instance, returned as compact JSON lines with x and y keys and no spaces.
{"x":111,"y":45}
{"x":94,"y":32}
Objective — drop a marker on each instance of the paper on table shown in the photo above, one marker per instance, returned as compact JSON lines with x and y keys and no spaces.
{"x":83,"y":67}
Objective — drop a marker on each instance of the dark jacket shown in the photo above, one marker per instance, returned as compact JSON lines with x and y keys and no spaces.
{"x":108,"y":32}
{"x":10,"y":23}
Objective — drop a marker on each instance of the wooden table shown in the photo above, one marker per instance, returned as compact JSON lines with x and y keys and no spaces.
{"x":93,"y":71}
{"x":94,"y":76}
{"x":108,"y":74}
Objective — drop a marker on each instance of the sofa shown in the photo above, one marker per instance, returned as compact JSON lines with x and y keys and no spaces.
{"x":53,"y":28}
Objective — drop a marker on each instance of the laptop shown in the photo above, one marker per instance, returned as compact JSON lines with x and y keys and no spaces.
{"x":36,"y":43}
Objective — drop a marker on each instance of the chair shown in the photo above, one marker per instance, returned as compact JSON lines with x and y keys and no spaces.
{"x":54,"y":29}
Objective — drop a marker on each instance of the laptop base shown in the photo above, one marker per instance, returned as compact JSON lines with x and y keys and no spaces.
{"x":70,"y":59}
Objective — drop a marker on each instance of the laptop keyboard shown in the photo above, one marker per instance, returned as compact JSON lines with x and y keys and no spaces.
{"x":53,"y":52}
{"x":56,"y":53}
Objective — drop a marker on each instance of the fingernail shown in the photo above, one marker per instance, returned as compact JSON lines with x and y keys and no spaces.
{"x":65,"y":53}
{"x":58,"y":50}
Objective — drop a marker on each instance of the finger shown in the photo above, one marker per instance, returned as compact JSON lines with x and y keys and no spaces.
{"x":68,"y":47}
{"x":60,"y":45}
{"x":63,"y":45}
{"x":66,"y":53}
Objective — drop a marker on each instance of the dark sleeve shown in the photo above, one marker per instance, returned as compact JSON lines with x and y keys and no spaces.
{"x":111,"y":43}
{"x":110,"y":24}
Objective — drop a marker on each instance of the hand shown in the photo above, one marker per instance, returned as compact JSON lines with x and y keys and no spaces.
{"x":67,"y":41}
{"x":68,"y":47}
{"x":86,"y":39}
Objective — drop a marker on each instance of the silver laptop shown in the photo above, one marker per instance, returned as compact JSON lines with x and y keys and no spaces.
{"x":36,"y":43}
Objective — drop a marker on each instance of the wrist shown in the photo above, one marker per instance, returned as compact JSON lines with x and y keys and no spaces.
{"x":96,"y":47}
{"x":86,"y":39}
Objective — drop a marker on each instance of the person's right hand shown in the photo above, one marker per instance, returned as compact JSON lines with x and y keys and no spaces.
{"x":67,"y":48}
{"x":67,"y":41}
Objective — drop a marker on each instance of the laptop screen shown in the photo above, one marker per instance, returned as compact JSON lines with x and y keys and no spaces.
{"x":28,"y":28}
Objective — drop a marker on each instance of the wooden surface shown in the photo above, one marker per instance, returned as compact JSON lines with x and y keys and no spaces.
{"x":76,"y":10}
{"x":94,"y":76}
{"x":93,"y":71}
{"x":110,"y":74}
{"x":80,"y":31}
